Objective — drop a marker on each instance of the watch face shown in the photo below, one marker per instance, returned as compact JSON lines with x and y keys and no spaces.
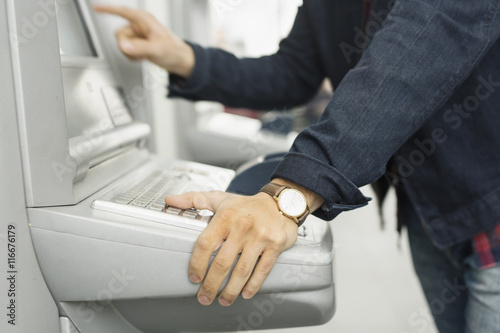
{"x":292,"y":202}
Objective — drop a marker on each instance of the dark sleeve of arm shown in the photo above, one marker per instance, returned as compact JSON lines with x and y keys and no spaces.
{"x":288,"y":78}
{"x":424,"y":50}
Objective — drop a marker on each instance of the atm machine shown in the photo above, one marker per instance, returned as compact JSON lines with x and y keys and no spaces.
{"x":86,"y":243}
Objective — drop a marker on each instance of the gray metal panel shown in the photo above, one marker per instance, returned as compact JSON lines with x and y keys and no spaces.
{"x":264,"y":311}
{"x":35,"y":310}
{"x":40,"y":102}
{"x":97,"y":318}
{"x":67,"y":326}
{"x":80,"y":268}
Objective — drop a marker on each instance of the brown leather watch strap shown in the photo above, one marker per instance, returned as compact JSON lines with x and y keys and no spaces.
{"x":303,"y":217}
{"x":273,"y":189}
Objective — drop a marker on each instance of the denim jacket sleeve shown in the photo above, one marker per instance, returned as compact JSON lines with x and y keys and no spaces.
{"x":282,"y":80}
{"x":423,"y":51}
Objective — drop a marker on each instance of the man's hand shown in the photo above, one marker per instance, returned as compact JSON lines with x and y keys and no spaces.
{"x":146,"y":38}
{"x":248,"y":225}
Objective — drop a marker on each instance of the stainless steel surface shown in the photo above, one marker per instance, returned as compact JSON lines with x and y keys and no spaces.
{"x":27,"y":305}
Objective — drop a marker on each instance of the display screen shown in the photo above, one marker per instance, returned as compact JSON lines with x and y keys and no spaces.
{"x":86,"y":109}
{"x":74,"y":36}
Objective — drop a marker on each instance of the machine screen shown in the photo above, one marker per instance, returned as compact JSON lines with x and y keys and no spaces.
{"x":86,"y":106}
{"x":74,"y":36}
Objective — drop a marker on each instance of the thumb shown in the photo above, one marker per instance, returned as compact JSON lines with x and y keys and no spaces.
{"x":199,"y":200}
{"x":135,"y":47}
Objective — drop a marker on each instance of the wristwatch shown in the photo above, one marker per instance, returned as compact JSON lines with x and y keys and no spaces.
{"x":291,"y":202}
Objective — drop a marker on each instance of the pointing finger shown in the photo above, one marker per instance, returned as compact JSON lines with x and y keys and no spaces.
{"x":130,"y":14}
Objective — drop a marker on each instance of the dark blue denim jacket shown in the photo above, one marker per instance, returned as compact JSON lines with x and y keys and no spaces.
{"x":426,"y":92}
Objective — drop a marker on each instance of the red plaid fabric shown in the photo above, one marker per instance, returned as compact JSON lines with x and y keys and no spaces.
{"x":487,"y":248}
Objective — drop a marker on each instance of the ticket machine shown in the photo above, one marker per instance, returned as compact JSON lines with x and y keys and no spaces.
{"x":84,"y":249}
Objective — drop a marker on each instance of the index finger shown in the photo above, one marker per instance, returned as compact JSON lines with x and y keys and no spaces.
{"x":127,"y":13}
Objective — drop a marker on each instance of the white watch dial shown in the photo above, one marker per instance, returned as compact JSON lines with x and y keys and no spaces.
{"x":292,"y":202}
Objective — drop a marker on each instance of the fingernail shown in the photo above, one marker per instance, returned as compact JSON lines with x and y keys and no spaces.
{"x":194,"y":278}
{"x":204,"y":300}
{"x":246,"y":294}
{"x":224,"y":302}
{"x":127,"y":46}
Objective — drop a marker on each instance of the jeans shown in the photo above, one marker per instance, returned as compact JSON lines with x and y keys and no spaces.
{"x":462,"y":297}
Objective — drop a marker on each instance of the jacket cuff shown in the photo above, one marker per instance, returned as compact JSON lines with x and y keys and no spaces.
{"x":181,"y":87}
{"x":340,"y":193}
